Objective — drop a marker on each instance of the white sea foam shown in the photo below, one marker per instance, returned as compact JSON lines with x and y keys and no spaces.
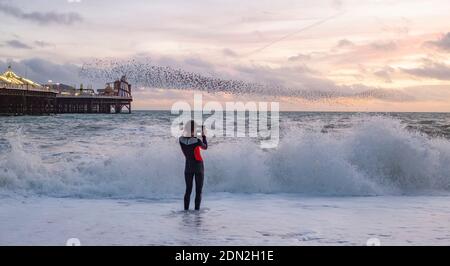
{"x":375,"y":156}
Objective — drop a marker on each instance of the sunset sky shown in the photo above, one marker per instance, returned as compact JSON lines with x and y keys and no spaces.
{"x":400,"y":48}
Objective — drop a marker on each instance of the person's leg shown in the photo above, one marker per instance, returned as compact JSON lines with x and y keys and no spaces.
{"x":199,"y":176}
{"x":189,"y":178}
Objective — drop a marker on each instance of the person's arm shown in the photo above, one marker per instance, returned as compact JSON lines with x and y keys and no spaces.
{"x":204,"y":143}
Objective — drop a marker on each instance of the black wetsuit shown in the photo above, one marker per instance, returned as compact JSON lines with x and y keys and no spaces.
{"x":194,"y":168}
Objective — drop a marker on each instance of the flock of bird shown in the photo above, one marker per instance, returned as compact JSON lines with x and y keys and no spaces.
{"x":145,"y":74}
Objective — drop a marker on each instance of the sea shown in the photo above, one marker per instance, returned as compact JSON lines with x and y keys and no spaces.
{"x":333,"y":179}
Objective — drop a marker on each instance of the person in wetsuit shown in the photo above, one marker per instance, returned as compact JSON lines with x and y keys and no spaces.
{"x":191,"y":146}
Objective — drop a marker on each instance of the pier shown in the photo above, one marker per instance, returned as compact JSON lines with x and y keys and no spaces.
{"x":34,"y":102}
{"x":18,"y":101}
{"x":92,"y":104}
{"x":20,"y":96}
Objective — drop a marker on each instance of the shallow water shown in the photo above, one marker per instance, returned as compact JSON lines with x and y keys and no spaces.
{"x":228,"y":219}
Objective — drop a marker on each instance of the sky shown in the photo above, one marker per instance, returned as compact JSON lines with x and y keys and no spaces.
{"x":374,"y":55}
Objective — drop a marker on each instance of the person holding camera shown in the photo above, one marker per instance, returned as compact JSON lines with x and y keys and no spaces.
{"x":191,"y":145}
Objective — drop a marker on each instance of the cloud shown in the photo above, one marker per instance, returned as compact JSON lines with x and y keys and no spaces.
{"x":384,"y":46}
{"x":430,"y":92}
{"x":41,"y":71}
{"x":337,"y":4}
{"x":42,"y":18}
{"x":344,"y":43}
{"x":434,"y":70}
{"x":443,"y":43}
{"x":21,"y":45}
{"x":385,"y":74}
{"x":198,"y":63}
{"x":399,"y":26}
{"x":42,"y":44}
{"x":229,"y":52}
{"x":18,"y":44}
{"x":299,"y":57}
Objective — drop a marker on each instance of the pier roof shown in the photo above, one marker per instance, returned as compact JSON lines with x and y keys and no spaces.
{"x":11,"y":78}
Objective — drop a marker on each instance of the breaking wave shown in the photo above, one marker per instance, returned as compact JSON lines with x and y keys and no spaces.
{"x":378,"y":156}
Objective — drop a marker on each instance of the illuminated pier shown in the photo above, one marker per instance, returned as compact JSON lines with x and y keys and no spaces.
{"x":20,"y":96}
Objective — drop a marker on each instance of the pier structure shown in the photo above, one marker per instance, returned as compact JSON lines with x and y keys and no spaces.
{"x":19,"y":101}
{"x":20,"y":96}
{"x":92,"y":104}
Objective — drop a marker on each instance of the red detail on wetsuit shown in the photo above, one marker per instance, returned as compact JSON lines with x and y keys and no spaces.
{"x":197,"y":154}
